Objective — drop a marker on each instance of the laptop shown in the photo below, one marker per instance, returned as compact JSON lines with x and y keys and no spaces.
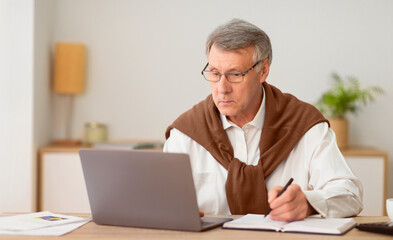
{"x":143,"y":189}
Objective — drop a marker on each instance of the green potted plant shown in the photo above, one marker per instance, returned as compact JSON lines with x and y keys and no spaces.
{"x":344,"y":97}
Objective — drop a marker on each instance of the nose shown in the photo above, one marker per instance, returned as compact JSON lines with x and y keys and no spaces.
{"x":224,"y":86}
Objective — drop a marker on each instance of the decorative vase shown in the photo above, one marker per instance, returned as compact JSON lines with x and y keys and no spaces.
{"x":340,"y":128}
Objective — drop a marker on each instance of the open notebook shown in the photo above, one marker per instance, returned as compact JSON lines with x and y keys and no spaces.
{"x":335,"y":226}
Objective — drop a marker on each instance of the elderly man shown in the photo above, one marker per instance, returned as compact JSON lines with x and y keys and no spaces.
{"x":247,"y":139}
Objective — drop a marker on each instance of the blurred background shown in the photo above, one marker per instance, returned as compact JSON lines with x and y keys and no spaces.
{"x":143,"y":64}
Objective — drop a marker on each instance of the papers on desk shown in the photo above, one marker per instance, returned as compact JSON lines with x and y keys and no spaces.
{"x":40,"y":224}
{"x":335,"y":226}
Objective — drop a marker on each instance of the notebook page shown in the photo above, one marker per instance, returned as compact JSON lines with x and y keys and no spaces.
{"x":321,"y":225}
{"x":255,"y":221}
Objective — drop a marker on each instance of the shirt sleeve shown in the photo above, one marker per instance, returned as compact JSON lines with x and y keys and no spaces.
{"x":177,"y":142}
{"x":333,"y":189}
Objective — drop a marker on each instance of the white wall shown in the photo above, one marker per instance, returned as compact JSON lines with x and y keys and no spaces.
{"x":42,"y":99}
{"x":16,"y":105}
{"x":25,"y":30}
{"x":145,"y":57}
{"x":43,"y":26}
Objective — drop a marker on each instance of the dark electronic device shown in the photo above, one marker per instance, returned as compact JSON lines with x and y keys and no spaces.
{"x":379,"y":227}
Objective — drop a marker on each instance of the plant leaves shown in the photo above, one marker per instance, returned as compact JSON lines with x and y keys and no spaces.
{"x":345,"y":96}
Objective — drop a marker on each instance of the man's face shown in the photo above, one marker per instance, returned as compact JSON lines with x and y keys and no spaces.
{"x":238,"y":101}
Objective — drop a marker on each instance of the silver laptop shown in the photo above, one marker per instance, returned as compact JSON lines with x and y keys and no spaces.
{"x":143,"y":189}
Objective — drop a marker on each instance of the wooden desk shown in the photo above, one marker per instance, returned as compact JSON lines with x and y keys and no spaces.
{"x":94,"y":231}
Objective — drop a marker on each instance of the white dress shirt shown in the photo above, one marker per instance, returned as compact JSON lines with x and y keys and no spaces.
{"x":315,"y":163}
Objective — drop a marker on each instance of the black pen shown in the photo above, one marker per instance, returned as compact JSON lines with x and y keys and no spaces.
{"x":281,"y":192}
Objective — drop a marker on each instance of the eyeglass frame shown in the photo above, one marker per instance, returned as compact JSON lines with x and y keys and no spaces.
{"x":225,"y":74}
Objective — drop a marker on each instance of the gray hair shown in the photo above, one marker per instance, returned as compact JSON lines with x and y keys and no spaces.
{"x":237,"y":34}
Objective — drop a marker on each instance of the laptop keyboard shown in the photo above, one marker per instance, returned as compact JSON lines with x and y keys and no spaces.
{"x":204,"y":223}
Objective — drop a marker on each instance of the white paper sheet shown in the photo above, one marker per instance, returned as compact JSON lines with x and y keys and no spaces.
{"x":40,"y":223}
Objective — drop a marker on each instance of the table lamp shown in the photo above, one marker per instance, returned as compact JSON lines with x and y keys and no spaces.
{"x":69,"y":80}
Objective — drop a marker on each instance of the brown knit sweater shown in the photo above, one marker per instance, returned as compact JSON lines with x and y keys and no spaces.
{"x":287,"y":119}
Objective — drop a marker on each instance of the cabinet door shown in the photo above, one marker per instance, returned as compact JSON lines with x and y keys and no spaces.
{"x":63,"y":187}
{"x":371,"y":172}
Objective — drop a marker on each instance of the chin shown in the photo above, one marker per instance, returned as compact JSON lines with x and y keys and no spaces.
{"x":226,"y":112}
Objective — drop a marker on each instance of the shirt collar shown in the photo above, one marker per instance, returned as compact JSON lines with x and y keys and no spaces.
{"x":256,"y":122}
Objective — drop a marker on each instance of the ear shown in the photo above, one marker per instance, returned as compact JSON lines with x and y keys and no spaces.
{"x":265,"y":70}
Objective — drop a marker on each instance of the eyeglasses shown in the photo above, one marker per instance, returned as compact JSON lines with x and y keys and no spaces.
{"x":233,"y":77}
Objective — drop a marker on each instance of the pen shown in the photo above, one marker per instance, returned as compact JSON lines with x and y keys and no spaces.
{"x":281,"y":192}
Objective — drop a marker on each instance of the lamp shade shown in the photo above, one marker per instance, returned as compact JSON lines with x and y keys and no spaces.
{"x":69,"y":69}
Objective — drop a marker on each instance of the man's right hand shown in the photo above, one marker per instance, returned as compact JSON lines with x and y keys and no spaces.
{"x":292,"y":205}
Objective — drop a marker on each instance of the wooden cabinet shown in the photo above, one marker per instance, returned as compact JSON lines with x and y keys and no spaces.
{"x":62,"y":187}
{"x":371,"y":167}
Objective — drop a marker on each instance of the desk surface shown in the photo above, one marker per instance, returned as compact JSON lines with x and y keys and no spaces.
{"x":94,"y":231}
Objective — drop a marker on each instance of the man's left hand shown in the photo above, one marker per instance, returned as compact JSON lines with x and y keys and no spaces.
{"x":292,"y":205}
